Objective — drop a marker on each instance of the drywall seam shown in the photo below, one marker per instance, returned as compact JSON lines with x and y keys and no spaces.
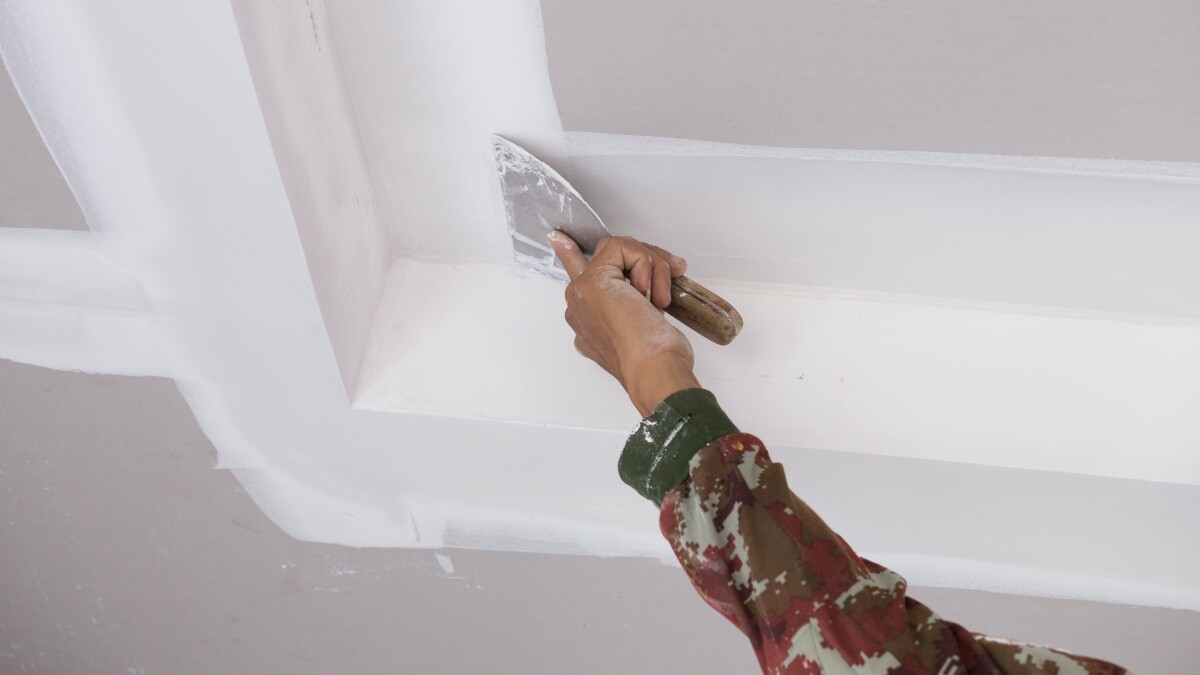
{"x":584,"y":143}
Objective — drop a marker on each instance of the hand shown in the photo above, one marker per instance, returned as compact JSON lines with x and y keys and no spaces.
{"x":618,"y":321}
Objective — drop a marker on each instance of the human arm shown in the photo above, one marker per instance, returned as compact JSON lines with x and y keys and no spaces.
{"x":614,"y":305}
{"x":758,"y":554}
{"x":752,"y":549}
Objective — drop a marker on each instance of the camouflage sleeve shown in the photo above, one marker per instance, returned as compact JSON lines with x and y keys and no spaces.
{"x":762,"y":558}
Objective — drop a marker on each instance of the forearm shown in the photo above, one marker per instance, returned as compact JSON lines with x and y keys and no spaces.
{"x":762,"y":558}
{"x":765,"y":561}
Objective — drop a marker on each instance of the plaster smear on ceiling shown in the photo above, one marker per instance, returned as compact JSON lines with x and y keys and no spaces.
{"x":1079,"y":78}
{"x":184,"y":187}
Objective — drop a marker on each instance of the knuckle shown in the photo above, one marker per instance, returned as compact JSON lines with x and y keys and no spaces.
{"x":576,"y":290}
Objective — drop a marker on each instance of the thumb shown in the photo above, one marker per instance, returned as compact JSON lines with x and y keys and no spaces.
{"x":568,"y":252}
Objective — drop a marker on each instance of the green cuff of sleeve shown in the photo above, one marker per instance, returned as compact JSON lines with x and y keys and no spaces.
{"x":657,"y":454}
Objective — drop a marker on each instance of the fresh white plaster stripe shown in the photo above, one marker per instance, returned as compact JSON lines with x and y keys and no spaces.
{"x":65,"y":269}
{"x":65,"y":305}
{"x":945,"y":572}
{"x":82,"y":339}
{"x":586,"y":143}
{"x":911,"y":377}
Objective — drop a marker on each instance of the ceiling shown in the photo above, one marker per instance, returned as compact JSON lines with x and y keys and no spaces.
{"x":1010,"y":77}
{"x":304,"y":235}
{"x":123,"y":551}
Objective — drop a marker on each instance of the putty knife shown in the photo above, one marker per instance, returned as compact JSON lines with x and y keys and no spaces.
{"x":538,"y":200}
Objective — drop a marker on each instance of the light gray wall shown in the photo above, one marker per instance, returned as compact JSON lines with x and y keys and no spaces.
{"x":122,"y":548}
{"x":1077,"y":78}
{"x":33,"y":192}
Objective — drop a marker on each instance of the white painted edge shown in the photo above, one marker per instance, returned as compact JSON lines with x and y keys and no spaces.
{"x":583,"y":143}
{"x":945,"y":572}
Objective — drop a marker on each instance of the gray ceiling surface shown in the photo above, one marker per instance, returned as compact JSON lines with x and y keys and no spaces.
{"x":33,"y":192}
{"x":123,"y":550}
{"x":1079,"y":78}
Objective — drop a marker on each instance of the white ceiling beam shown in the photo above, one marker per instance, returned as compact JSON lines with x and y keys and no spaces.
{"x":883,"y":374}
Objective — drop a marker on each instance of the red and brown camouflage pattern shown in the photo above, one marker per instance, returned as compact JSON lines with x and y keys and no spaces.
{"x":809,"y":604}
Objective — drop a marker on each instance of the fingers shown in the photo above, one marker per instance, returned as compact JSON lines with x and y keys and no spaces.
{"x":641,"y":275}
{"x":661,"y":286}
{"x":678,"y":265}
{"x":609,"y":323}
{"x":568,"y":252}
{"x":648,"y":268}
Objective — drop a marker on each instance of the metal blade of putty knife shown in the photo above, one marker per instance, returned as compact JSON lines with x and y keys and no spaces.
{"x":538,"y":200}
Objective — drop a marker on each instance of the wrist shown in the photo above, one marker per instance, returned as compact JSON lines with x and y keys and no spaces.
{"x":652,"y":381}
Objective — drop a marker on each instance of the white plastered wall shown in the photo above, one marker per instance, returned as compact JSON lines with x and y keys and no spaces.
{"x":211,"y":264}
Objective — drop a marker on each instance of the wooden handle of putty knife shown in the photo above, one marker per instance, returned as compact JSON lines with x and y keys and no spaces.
{"x":703,"y":311}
